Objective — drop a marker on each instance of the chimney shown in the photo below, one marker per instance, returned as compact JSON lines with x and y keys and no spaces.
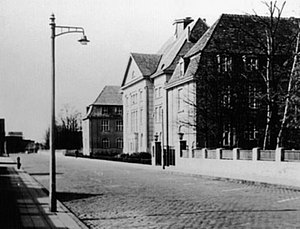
{"x":181,"y":24}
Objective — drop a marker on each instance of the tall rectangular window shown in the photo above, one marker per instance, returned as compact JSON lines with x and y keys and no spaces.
{"x":253,"y":100}
{"x":141,"y":117}
{"x":179,"y":100}
{"x":105,"y":143}
{"x":119,"y":143}
{"x":105,"y":125}
{"x":119,"y":125}
{"x":224,"y":63}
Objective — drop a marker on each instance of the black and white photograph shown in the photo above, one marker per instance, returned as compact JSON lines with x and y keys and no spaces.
{"x":145,"y":114}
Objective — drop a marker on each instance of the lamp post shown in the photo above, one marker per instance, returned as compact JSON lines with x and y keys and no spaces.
{"x":61,"y":31}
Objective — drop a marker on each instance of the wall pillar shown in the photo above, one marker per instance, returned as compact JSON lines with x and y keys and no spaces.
{"x":279,"y":154}
{"x":219,"y":153}
{"x":255,"y":154}
{"x":204,"y":153}
{"x":236,"y":154}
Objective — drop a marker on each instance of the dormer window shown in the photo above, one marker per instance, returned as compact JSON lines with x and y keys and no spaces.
{"x":181,"y":67}
{"x":133,"y":75}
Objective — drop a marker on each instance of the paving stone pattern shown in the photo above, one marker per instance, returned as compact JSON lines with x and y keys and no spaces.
{"x":115,"y":195}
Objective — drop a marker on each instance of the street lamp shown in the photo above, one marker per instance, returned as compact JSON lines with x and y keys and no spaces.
{"x":61,"y":31}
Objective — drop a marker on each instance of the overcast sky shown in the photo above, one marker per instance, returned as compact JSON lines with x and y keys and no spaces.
{"x":115,"y":28}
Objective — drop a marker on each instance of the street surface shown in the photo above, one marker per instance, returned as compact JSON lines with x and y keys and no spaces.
{"x":106,"y":194}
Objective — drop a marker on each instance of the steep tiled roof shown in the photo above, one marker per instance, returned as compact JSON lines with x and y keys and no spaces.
{"x":110,"y":95}
{"x":147,"y":63}
{"x":190,"y":72}
{"x":201,"y":43}
{"x":173,"y":50}
{"x":246,"y":34}
{"x":235,"y":34}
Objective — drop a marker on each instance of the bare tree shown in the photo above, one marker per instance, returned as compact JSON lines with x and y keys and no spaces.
{"x":290,"y":94}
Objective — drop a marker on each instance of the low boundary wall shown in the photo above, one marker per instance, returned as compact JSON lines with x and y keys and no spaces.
{"x":260,"y":166}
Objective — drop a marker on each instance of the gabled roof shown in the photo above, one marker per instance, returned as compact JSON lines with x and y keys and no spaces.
{"x":189,"y":74}
{"x":110,"y":95}
{"x":147,"y":63}
{"x":243,"y":34}
{"x":171,"y":51}
{"x":235,"y":34}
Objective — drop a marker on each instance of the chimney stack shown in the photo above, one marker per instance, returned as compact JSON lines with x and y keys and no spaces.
{"x":181,"y":24}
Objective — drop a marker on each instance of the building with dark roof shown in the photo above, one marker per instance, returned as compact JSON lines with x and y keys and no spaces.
{"x":103,"y":124}
{"x":217,"y":90}
{"x":144,"y":94}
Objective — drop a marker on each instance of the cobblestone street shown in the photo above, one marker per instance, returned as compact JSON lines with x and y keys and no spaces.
{"x":106,"y":194}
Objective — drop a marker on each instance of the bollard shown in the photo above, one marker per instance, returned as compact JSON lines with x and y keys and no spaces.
{"x":18,"y":162}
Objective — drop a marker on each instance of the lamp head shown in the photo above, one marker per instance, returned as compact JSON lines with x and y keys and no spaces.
{"x":84,"y":40}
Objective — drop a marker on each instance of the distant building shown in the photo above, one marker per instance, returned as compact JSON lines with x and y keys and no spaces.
{"x":103,"y":124}
{"x":14,"y":142}
{"x":2,"y":136}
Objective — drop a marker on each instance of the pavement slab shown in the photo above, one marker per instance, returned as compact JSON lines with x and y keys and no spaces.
{"x":24,"y":202}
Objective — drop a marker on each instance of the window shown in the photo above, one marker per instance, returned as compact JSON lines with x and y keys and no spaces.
{"x":252,"y":133}
{"x":253,"y":97}
{"x":229,"y":135}
{"x":224,"y":63}
{"x":160,"y":114}
{"x":105,"y":125}
{"x":226,"y":101}
{"x":119,"y":125}
{"x":179,"y":101}
{"x":158,"y":92}
{"x":141,"y":140}
{"x":134,"y":121}
{"x":181,"y":67}
{"x":127,"y":121}
{"x":105,"y":143}
{"x":133,"y":75}
{"x":141,"y":117}
{"x":119,"y":143}
{"x":104,"y":110}
{"x":119,"y":110}
{"x":141,"y":95}
{"x":250,"y":63}
{"x":156,"y":114}
{"x":133,"y":98}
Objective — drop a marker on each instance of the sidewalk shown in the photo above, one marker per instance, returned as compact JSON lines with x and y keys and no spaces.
{"x":24,"y":203}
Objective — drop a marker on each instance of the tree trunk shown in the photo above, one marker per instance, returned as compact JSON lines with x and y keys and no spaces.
{"x":287,"y":100}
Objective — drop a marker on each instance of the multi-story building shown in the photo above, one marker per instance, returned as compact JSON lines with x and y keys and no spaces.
{"x":217,"y":93}
{"x":145,"y":78}
{"x":207,"y":87}
{"x":103,"y":124}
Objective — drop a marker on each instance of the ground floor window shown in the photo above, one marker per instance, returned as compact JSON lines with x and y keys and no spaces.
{"x":105,"y":143}
{"x":119,"y":143}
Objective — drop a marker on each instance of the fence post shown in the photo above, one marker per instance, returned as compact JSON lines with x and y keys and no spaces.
{"x":219,"y":153}
{"x":255,"y":154}
{"x":236,"y":154}
{"x":204,"y":153}
{"x":279,"y":154}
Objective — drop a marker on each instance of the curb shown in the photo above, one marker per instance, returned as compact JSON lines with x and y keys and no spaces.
{"x":59,"y":204}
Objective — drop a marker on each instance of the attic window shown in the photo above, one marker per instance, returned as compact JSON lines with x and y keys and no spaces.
{"x":181,"y":67}
{"x":133,"y":75}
